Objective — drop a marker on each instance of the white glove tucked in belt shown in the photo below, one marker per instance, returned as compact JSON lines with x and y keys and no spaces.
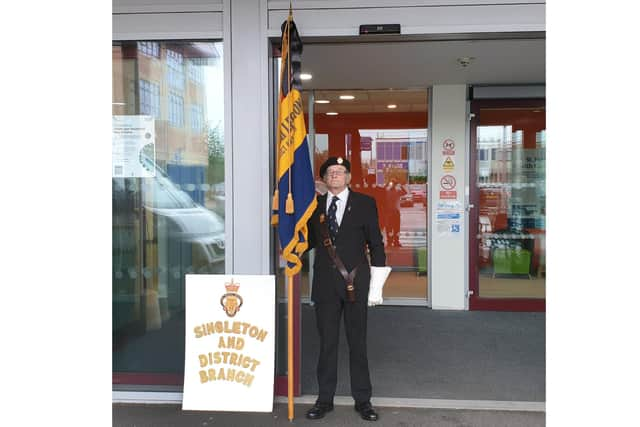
{"x":378,"y":277}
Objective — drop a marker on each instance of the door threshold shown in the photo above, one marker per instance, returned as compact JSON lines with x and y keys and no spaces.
{"x":418,"y":302}
{"x":400,"y":402}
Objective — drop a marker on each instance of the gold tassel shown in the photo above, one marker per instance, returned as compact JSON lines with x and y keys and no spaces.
{"x":289,"y":204}
{"x":275,"y":206}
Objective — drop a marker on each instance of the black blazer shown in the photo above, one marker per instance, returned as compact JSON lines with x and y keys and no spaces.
{"x":359,"y":231}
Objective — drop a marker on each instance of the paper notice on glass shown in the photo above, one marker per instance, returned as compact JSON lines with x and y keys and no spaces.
{"x":448,"y":223}
{"x":133,"y":149}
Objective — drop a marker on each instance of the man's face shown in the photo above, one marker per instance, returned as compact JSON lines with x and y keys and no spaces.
{"x":337,"y":178}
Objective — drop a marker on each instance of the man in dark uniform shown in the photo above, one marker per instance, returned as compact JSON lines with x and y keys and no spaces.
{"x":351,"y":221}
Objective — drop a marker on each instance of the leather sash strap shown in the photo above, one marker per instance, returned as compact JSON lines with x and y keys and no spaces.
{"x":348,"y":277}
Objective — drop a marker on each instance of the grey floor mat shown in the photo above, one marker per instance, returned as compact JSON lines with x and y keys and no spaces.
{"x":417,"y":352}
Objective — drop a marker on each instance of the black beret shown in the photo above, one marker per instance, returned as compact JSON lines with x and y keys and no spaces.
{"x":334,"y":161}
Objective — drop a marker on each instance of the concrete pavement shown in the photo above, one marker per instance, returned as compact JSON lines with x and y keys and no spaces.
{"x":160,"y":415}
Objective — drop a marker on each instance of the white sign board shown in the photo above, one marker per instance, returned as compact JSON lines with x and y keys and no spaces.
{"x":133,"y":142}
{"x":229,"y":343}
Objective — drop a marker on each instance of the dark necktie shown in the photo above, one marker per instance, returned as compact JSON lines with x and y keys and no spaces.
{"x":333,"y":222}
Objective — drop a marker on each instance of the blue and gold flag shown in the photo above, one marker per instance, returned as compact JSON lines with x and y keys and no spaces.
{"x":295,"y":198}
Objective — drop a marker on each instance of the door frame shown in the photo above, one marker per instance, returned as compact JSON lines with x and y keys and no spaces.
{"x":475,"y":301}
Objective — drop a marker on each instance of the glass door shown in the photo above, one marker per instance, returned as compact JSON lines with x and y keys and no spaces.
{"x":383,"y":133}
{"x":507,"y":250}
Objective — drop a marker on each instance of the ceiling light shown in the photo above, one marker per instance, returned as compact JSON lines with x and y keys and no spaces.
{"x":332,"y":113}
{"x":305,"y":76}
{"x":392,"y":106}
{"x":346,"y":97}
{"x":321,"y":101}
{"x":118,"y":103}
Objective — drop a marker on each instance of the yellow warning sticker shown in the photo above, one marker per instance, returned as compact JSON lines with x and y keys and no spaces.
{"x":448,"y":165}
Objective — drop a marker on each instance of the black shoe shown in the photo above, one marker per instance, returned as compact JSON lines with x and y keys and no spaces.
{"x":366,"y":411}
{"x":318,"y":410}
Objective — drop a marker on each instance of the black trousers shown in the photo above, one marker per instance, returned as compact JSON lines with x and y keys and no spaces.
{"x":355,"y":322}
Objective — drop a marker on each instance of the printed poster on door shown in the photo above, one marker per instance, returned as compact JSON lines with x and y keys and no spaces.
{"x":229,"y":343}
{"x":133,"y":147}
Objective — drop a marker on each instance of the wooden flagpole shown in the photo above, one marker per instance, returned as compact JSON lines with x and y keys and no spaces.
{"x":289,"y":209}
{"x":290,"y":345}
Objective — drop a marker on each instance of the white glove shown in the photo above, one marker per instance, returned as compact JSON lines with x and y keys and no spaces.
{"x":378,"y":277}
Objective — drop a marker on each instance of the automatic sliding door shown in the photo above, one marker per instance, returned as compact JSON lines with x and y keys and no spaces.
{"x":384,"y":135}
{"x":508,"y":252}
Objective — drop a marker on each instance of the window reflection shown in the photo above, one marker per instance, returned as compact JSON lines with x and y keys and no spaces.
{"x":171,"y":223}
{"x":396,"y":178}
{"x":388,"y":154}
{"x":511,"y":145}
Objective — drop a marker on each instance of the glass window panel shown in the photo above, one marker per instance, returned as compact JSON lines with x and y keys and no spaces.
{"x":388,"y":154}
{"x":175,"y":69}
{"x":511,"y":184}
{"x":172,"y":223}
{"x":176,"y":110}
{"x":150,"y":98}
{"x":197,"y":117}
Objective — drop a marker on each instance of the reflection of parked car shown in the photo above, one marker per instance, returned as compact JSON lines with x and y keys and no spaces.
{"x":189,"y":237}
{"x":159,"y":235}
{"x":216,"y":204}
{"x":406,"y":201}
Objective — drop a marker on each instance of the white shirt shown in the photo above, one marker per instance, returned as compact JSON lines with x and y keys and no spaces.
{"x":340,"y":204}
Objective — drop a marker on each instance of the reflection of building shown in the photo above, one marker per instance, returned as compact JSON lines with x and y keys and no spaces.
{"x":418,"y":158}
{"x":392,"y":160}
{"x":399,"y":154}
{"x":166,"y":81}
{"x":511,"y":177}
{"x":494,"y":154}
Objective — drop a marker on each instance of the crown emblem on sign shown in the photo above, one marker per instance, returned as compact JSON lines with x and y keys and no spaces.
{"x":231,"y":286}
{"x":231,"y":301}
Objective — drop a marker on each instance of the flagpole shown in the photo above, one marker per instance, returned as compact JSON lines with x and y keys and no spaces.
{"x":289,"y":206}
{"x":290,"y":345}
